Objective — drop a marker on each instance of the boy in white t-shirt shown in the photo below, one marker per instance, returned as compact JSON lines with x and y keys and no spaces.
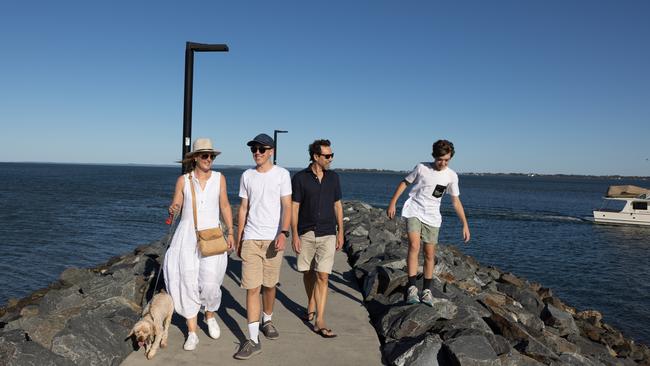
{"x":263,"y":227}
{"x":422,"y":212}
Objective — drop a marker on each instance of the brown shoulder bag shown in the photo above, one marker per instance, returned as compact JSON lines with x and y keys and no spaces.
{"x":209,"y":241}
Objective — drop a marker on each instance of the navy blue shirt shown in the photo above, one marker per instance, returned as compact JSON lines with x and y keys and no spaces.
{"x":316,"y":201}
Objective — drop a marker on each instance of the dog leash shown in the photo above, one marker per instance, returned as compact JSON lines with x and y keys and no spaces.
{"x":171,"y":220}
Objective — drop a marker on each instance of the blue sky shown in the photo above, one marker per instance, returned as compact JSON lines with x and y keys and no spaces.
{"x":518,"y":86}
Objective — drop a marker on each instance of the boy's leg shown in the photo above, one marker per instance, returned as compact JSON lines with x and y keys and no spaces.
{"x":268,"y":299}
{"x":429,"y":260}
{"x":253,"y":309}
{"x":414,"y":227}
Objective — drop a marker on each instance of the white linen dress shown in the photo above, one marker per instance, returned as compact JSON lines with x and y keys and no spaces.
{"x":193,"y":280}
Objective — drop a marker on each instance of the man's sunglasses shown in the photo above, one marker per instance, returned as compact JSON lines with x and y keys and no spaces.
{"x":261,"y":149}
{"x":206,"y":156}
{"x":327,"y":156}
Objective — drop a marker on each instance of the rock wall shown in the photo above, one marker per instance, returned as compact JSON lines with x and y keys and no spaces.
{"x":480,"y":316}
{"x":84,"y":318}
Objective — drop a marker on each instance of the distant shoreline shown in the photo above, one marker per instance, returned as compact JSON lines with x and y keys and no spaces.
{"x":357,"y":170}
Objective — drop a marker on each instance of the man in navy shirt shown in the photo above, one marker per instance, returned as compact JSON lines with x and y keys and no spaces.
{"x":316,"y":213}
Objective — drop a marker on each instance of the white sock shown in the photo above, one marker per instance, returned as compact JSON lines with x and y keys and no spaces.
{"x":266,"y":317}
{"x":254,"y":331}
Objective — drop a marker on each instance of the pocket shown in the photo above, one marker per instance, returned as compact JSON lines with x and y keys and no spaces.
{"x":438,"y":191}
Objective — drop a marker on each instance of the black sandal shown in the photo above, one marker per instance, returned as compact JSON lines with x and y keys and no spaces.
{"x":325,"y":333}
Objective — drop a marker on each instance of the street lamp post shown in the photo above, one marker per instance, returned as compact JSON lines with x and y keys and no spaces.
{"x":275,"y":139}
{"x":190,"y":48}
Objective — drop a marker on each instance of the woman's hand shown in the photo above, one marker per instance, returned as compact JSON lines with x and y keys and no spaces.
{"x":174,"y":208}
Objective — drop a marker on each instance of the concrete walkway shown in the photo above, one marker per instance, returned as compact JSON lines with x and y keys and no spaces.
{"x":356,"y":344}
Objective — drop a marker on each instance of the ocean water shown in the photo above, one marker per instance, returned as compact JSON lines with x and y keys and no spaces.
{"x":53,"y":216}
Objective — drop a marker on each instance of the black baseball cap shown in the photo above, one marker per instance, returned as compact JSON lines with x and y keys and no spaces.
{"x":262,"y":139}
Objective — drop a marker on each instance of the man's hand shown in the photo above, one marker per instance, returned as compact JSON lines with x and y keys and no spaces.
{"x":280,"y":241}
{"x":230,"y":240}
{"x":466,"y":235}
{"x":390,"y":211}
{"x":295,"y":243}
{"x":339,"y":240}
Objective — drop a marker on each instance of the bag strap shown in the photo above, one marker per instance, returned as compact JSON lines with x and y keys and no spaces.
{"x":193,"y":201}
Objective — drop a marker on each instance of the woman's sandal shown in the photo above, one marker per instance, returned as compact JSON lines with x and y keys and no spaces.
{"x":308,"y":316}
{"x":325,"y":333}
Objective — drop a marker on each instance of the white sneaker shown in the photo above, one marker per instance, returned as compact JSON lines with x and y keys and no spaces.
{"x":213,"y":328}
{"x":191,"y":342}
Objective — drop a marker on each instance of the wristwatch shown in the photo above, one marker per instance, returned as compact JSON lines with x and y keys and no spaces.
{"x":285,"y":232}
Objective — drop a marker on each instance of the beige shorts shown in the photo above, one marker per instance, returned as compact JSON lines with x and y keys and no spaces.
{"x":428,"y":233}
{"x":260,"y":264}
{"x":316,"y":253}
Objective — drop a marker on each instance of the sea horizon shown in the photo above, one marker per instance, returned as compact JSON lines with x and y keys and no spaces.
{"x":355,"y":170}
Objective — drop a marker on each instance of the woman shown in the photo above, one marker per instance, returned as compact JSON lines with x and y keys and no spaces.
{"x":193,"y":280}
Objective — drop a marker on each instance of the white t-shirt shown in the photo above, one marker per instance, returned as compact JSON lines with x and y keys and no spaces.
{"x":426,"y":192}
{"x":264,"y":192}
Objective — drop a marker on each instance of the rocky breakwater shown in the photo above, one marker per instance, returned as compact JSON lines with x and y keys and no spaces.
{"x":481,"y":315}
{"x":84,"y":317}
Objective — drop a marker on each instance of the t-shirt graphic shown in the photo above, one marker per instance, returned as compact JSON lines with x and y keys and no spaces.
{"x":439,"y":191}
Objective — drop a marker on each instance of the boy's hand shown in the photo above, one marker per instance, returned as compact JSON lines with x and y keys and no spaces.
{"x":466,"y":234}
{"x":390,"y":211}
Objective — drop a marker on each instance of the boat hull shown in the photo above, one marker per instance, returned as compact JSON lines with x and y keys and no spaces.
{"x":607,"y":217}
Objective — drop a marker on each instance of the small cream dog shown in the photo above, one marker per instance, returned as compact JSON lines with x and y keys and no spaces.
{"x":152,"y":329}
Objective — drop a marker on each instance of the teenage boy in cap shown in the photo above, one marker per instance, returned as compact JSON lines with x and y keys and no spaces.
{"x":422,"y":213}
{"x":263,"y":228}
{"x":317,"y":212}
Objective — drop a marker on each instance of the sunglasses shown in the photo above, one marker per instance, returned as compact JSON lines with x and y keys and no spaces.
{"x":206,"y":156}
{"x":327,"y":156}
{"x":261,"y":149}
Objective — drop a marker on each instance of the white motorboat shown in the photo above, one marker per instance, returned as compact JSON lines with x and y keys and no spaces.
{"x":634,"y":212}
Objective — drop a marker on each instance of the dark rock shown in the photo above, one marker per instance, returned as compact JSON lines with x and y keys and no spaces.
{"x":557,"y":344}
{"x":71,"y":276}
{"x":414,"y":320}
{"x":17,"y":349}
{"x":58,"y":300}
{"x":532,"y":323}
{"x":592,"y":317}
{"x":422,"y":353}
{"x":471,"y":350}
{"x":517,"y":359}
{"x":41,"y":329}
{"x":380,"y":235}
{"x":390,"y":279}
{"x":499,"y":344}
{"x":466,"y":318}
{"x":527,"y":298}
{"x":96,"y":337}
{"x":593,"y":350}
{"x":512,"y":279}
{"x":559,"y":320}
{"x":533,"y":348}
{"x":371,"y":252}
{"x":574,"y":359}
{"x":370,"y":284}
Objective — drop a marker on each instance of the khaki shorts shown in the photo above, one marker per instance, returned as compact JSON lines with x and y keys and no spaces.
{"x":260,"y":264}
{"x":316,"y":253}
{"x":428,"y":233}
